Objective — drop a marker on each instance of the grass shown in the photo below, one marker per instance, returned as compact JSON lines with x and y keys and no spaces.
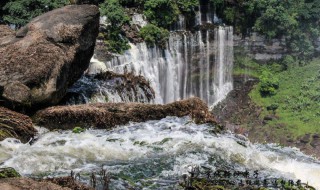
{"x":298,"y":96}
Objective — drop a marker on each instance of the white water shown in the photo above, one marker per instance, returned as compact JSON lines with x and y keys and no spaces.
{"x":194,"y":64}
{"x":157,"y":151}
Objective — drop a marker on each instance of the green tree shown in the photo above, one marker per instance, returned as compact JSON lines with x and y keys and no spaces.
{"x":20,"y":12}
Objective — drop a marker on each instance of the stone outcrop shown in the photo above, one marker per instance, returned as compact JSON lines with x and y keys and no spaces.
{"x":108,"y":115}
{"x":15,"y":125}
{"x":47,"y":56}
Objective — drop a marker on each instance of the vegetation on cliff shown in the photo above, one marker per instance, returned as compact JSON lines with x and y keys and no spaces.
{"x":290,"y":114}
{"x":298,"y":99}
{"x":297,"y":21}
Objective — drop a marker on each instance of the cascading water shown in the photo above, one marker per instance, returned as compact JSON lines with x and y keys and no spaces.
{"x":153,"y":155}
{"x":194,"y":64}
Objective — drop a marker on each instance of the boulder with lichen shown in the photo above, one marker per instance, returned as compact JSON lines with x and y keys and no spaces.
{"x":42,"y":59}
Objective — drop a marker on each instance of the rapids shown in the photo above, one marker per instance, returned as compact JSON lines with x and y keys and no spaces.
{"x":153,"y":154}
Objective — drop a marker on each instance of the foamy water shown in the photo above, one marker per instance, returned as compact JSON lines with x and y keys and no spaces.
{"x":156,"y":151}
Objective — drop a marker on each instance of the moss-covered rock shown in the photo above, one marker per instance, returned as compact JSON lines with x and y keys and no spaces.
{"x":8,"y":172}
{"x":78,"y":130}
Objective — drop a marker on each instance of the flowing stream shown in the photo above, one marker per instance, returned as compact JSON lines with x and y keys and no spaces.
{"x":153,"y":154}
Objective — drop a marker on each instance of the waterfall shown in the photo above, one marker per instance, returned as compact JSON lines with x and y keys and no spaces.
{"x":194,"y":64}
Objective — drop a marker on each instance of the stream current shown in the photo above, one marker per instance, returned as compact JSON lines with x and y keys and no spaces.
{"x":153,"y":154}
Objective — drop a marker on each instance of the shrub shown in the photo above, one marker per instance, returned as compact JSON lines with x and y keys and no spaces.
{"x":273,"y":107}
{"x":154,"y":35}
{"x":268,"y":84}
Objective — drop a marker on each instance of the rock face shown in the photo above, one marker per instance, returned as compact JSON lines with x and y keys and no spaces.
{"x":15,"y":125}
{"x":111,"y":114}
{"x":47,"y":56}
{"x":259,"y":48}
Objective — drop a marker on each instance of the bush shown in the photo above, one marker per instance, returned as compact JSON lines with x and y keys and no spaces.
{"x":268,"y":84}
{"x":273,"y":107}
{"x":161,"y":12}
{"x":154,"y":35}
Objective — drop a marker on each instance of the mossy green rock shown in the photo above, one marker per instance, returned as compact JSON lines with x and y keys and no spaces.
{"x":78,"y":130}
{"x":8,"y":173}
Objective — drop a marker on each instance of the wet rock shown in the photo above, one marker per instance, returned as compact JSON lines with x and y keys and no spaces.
{"x":15,"y":125}
{"x":305,"y":139}
{"x":316,"y":136}
{"x":46,"y":56}
{"x":132,"y":33}
{"x":269,"y":118}
{"x":27,"y":184}
{"x":315,"y":142}
{"x":107,"y":115}
{"x":129,"y":83}
{"x":109,"y":87}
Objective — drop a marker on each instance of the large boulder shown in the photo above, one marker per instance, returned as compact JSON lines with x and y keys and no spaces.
{"x":15,"y":125}
{"x":107,"y":115}
{"x":47,"y":56}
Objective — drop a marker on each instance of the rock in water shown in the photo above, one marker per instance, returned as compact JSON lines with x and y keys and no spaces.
{"x":107,"y":115}
{"x":15,"y":125}
{"x":47,"y":56}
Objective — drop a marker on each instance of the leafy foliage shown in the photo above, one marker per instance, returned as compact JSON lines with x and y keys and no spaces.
{"x":20,"y":12}
{"x":296,"y":20}
{"x":154,"y":35}
{"x":112,"y":35}
{"x":268,"y":83}
{"x":114,"y":13}
{"x":297,"y":98}
{"x":161,"y":12}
